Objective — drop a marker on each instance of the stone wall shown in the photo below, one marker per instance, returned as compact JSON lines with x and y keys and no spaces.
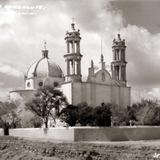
{"x":66,"y":134}
{"x":117,"y":133}
{"x":90,"y":133}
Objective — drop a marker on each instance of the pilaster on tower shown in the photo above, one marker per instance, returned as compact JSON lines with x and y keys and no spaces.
{"x":73,"y":56}
{"x":118,"y":65}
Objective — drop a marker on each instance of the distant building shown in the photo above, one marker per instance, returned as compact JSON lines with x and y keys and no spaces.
{"x":99,"y":87}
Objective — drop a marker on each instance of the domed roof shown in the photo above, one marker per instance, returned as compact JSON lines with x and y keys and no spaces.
{"x":44,"y":67}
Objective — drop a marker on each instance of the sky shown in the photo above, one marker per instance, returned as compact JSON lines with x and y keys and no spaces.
{"x":25,"y":25}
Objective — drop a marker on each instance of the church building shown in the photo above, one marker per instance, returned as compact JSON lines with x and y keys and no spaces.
{"x":100,"y":86}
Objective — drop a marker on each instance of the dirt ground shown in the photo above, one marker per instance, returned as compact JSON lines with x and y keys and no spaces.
{"x":13,"y":148}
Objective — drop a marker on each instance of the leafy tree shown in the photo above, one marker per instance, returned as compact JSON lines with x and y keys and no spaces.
{"x":140,"y":113}
{"x":156,"y":119}
{"x":82,"y":114}
{"x":152,"y":116}
{"x":69,"y":115}
{"x":119,"y":115}
{"x":8,"y":114}
{"x":46,"y":100}
{"x":6,"y":107}
{"x":36,"y":121}
{"x":147,"y":112}
{"x":85,"y":114}
{"x":130,"y":115}
{"x":103,"y":115}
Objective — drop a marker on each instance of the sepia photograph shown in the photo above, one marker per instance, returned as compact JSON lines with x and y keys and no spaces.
{"x":79,"y":79}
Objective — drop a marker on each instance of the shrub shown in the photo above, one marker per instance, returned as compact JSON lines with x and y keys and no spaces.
{"x":69,"y":115}
{"x":119,"y":115}
{"x":103,"y":115}
{"x":147,"y":112}
{"x":36,"y":122}
{"x":85,"y":115}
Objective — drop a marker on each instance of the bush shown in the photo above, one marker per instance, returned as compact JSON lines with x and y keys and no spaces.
{"x":152,"y":117}
{"x":119,"y":115}
{"x":85,"y":115}
{"x":8,"y":114}
{"x":103,"y":115}
{"x":36,"y":122}
{"x":147,"y":112}
{"x":69,"y":115}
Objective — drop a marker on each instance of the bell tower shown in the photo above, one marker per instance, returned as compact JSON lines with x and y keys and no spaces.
{"x":118,"y":65}
{"x":73,"y":56}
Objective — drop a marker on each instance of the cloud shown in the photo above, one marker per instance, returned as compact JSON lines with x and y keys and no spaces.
{"x":50,"y":25}
{"x":8,"y":83}
{"x":143,"y":55}
{"x":145,"y":93}
{"x":22,"y":38}
{"x":10,"y":71}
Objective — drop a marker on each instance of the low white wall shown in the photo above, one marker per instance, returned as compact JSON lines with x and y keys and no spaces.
{"x":50,"y":133}
{"x":89,"y":133}
{"x":1,"y":132}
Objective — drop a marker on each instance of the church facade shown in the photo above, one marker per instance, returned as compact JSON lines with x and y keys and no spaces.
{"x":100,"y":86}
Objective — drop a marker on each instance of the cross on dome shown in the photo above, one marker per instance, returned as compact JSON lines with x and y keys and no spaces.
{"x":45,"y":51}
{"x":45,"y":44}
{"x":73,"y":19}
{"x":102,"y":58}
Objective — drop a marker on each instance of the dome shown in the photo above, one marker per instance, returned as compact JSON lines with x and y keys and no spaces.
{"x":44,"y":67}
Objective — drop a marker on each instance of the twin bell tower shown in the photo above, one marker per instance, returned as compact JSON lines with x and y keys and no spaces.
{"x":73,"y":58}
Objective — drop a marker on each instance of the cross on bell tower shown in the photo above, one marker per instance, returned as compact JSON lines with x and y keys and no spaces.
{"x":118,"y":65}
{"x":73,"y":56}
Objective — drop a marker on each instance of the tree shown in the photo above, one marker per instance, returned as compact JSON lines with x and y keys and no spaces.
{"x":46,"y":100}
{"x":69,"y":115}
{"x":85,"y":114}
{"x":146,"y":112}
{"x":8,"y":114}
{"x":130,"y":115}
{"x":103,"y":115}
{"x":152,"y":116}
{"x":36,"y":122}
{"x":119,"y":115}
{"x":81,"y":114}
{"x":6,"y":107}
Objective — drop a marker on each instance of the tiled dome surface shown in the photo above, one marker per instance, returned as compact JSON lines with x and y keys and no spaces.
{"x":43,"y":68}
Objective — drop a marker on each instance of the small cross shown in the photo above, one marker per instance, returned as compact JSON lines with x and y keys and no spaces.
{"x":73,"y":25}
{"x":45,"y":43}
{"x":73,"y":20}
